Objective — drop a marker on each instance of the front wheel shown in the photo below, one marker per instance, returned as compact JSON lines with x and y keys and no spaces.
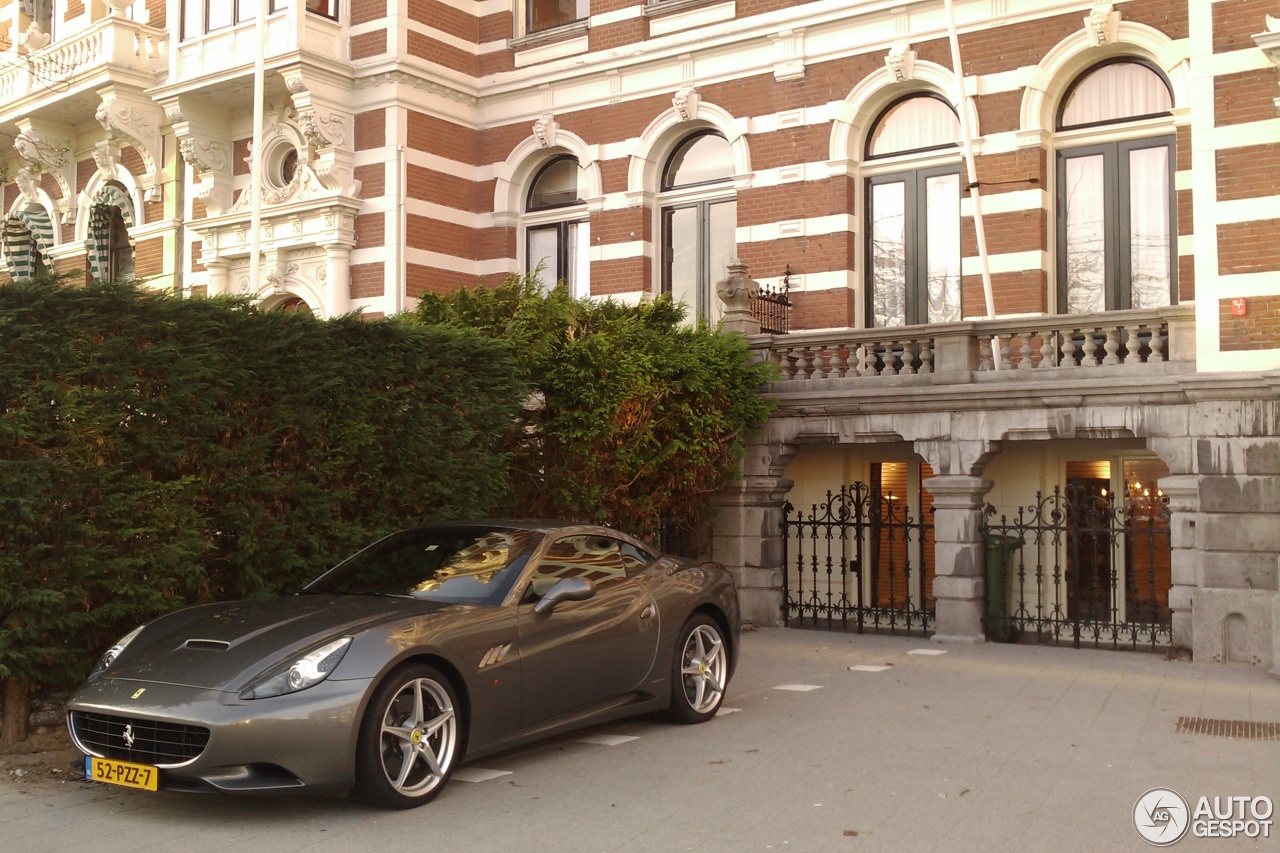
{"x":699,"y":671}
{"x":409,"y":739}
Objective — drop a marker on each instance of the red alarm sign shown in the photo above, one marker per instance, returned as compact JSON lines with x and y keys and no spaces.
{"x":1239,"y":306}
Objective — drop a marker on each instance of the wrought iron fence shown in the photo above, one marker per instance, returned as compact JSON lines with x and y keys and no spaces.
{"x":858,"y":561}
{"x":1080,"y":568}
{"x":772,"y":307}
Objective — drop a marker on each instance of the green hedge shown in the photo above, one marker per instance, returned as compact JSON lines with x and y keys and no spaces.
{"x":156,"y":451}
{"x":639,"y":417}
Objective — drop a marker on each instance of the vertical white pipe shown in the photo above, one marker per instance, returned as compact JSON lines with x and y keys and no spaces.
{"x":966,"y":137}
{"x":255,"y":179}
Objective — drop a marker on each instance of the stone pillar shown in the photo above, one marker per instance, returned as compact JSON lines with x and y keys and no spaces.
{"x":736,"y":291}
{"x":219,"y":276}
{"x":337,"y":287}
{"x":1183,"y":493}
{"x":748,"y":539}
{"x":959,"y":587}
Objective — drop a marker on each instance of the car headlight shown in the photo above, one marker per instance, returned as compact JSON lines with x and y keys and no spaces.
{"x":114,"y":652}
{"x":307,"y":671}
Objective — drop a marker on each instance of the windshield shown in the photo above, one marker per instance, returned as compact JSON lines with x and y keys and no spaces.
{"x":464,"y":565}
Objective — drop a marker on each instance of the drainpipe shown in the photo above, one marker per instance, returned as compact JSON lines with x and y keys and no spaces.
{"x":259,"y":105}
{"x":966,"y":137}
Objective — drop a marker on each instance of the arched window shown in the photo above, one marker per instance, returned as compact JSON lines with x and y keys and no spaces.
{"x":292,"y":305}
{"x":699,"y":218}
{"x":28,"y":234}
{"x":110,"y":218}
{"x":913,"y":215}
{"x":1115,"y":196}
{"x":557,"y":232}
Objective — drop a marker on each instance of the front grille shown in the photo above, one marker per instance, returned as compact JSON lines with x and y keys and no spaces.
{"x":160,"y":744}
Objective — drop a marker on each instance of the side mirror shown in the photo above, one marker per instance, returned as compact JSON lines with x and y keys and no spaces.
{"x":566,"y":589}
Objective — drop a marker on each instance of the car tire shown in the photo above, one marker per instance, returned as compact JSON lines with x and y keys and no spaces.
{"x":699,"y":671}
{"x":410,"y":739}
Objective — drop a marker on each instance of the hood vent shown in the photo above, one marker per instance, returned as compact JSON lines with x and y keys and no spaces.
{"x":207,"y":645}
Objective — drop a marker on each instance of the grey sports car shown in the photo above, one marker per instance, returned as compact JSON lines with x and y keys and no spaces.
{"x":431,"y":645}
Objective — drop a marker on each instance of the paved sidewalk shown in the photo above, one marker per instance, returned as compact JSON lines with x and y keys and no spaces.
{"x":983,"y":748}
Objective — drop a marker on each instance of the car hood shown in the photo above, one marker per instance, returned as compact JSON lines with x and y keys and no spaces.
{"x":223,"y":646}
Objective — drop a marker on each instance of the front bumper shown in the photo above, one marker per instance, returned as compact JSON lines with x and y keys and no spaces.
{"x":300,"y":741}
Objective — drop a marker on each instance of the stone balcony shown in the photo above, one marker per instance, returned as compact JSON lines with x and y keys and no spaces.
{"x":55,"y":78}
{"x":989,"y":362}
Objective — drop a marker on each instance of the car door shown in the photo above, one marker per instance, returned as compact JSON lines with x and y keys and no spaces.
{"x":584,"y":652}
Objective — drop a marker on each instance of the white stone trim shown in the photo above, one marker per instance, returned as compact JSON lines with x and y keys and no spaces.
{"x":1265,"y":132}
{"x":553,"y":50}
{"x":697,"y":16}
{"x":466,"y":266}
{"x":1248,"y":210}
{"x":1246,"y":284}
{"x":444,"y":213}
{"x":621,"y":251}
{"x":627,"y":13}
{"x":1010,"y":202}
{"x":1238,"y":61}
{"x":786,"y":229}
{"x":1008,"y":262}
{"x":1186,"y":245}
{"x":825,"y":280}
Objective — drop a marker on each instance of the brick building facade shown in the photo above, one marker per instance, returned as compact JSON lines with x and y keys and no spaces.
{"x":1126,"y":156}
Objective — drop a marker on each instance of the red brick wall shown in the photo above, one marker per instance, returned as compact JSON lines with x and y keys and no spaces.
{"x":1248,"y":171}
{"x":1247,"y":96}
{"x":372,"y":178}
{"x":363,"y":11}
{"x":371,"y":130}
{"x":367,"y":280}
{"x":1245,"y":247}
{"x":822,"y":309}
{"x":365,"y":45}
{"x":421,"y":279}
{"x":148,"y":257}
{"x":1258,"y":329}
{"x":445,"y":237}
{"x":370,"y":230}
{"x":1235,"y":22}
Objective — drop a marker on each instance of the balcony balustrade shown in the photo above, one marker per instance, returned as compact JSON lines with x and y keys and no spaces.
{"x":115,"y":43}
{"x":1128,"y":342}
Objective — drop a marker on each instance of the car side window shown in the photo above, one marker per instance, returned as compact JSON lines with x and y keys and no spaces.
{"x":602,"y":560}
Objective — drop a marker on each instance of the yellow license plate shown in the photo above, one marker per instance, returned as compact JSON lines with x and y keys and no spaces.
{"x":121,"y":773}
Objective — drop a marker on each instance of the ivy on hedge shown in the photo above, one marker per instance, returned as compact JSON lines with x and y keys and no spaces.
{"x":156,"y":451}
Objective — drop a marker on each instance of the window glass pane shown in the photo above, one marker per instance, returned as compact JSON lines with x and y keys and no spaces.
{"x":921,"y":122}
{"x":681,"y":226}
{"x":218,"y":14}
{"x":192,"y":18}
{"x":888,"y":254}
{"x":580,"y":259}
{"x":544,"y":14}
{"x":594,"y":558}
{"x":703,"y":158}
{"x":724,"y":222}
{"x":1117,"y":91}
{"x":1149,"y":227}
{"x":556,"y":184}
{"x":246,"y":10}
{"x":1086,"y":235}
{"x":943,"y":262}
{"x":328,"y":8}
{"x":544,"y":250}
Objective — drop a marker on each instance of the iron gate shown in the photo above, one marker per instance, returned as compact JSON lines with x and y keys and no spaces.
{"x":1082,"y":568}
{"x":858,"y":561}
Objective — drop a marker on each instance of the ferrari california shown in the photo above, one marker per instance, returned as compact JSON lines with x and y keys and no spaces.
{"x":430,"y":647}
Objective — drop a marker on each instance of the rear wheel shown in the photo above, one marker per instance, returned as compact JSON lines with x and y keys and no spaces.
{"x":409,"y":739}
{"x":699,"y":671}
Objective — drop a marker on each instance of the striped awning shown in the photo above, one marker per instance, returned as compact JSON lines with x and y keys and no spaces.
{"x":99,"y":242}
{"x":28,"y":233}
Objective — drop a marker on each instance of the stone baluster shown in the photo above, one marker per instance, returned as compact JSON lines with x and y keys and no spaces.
{"x":926,"y":356}
{"x":890,"y":357}
{"x":1068,"y":348}
{"x":1090,"y":347}
{"x":866,"y":366}
{"x":1024,"y":351}
{"x":1112,"y":346}
{"x":1005,"y":360}
{"x":908,"y":358}
{"x":984,"y":355}
{"x":1157,"y":345}
{"x":805,"y":365}
{"x":1047,"y":349}
{"x":842,"y":361}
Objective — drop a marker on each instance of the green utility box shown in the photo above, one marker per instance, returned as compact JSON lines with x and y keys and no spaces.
{"x":1000,"y":551}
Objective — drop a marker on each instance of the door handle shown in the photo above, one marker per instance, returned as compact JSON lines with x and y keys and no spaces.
{"x":647,"y":612}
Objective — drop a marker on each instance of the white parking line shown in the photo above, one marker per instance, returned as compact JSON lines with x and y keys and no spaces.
{"x":607,"y":740}
{"x":929,"y":652}
{"x":868,"y":667}
{"x":799,"y":688}
{"x":724,"y":711}
{"x":478,"y":774}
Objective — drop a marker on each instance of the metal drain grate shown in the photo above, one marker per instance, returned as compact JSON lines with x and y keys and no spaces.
{"x":1227,"y":728}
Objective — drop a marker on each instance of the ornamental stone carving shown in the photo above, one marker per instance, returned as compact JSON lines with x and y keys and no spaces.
{"x":901,"y":61}
{"x":737,"y":290}
{"x":685,"y":102}
{"x":27,"y":183}
{"x":544,"y":130}
{"x":1103,"y":24}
